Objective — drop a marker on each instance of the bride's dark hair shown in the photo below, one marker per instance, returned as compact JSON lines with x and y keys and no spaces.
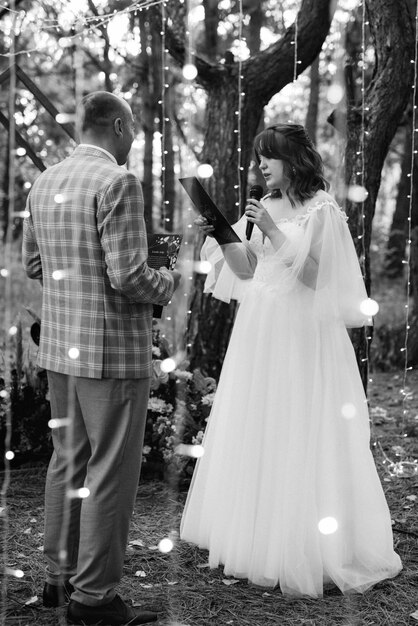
{"x":303,"y":165}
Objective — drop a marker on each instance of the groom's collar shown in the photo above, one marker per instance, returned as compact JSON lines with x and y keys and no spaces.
{"x":106,"y":152}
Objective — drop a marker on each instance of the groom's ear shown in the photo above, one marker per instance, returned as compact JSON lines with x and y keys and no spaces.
{"x":118,"y":126}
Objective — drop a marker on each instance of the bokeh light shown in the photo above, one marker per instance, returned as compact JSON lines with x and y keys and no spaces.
{"x":73,"y":353}
{"x":357,"y":193}
{"x":165,"y":545}
{"x":327,"y":525}
{"x":348,"y":410}
{"x":335,"y":94}
{"x":369,"y":307}
{"x":189,"y":71}
{"x":205,"y":170}
{"x":168,"y":365}
{"x":202,"y":267}
{"x":193,"y":451}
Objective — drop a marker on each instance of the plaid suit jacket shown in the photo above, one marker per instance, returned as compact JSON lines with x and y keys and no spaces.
{"x":85,"y":239}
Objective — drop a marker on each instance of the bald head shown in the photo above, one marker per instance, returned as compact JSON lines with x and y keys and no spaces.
{"x":106,"y":120}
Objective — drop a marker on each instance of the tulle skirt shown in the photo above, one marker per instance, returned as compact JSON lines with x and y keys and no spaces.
{"x":287,"y":492}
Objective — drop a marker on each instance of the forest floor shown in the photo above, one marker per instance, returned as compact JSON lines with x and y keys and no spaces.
{"x":180,"y":585}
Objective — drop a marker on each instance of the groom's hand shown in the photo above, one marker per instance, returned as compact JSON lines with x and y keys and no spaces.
{"x":175,"y":274}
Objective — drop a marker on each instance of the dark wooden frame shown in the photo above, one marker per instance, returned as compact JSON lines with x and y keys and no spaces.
{"x":46,"y":103}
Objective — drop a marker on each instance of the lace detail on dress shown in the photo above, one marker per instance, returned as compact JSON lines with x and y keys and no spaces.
{"x":320,"y":204}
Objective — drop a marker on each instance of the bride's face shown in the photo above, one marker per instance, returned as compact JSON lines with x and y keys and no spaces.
{"x":273,"y":172}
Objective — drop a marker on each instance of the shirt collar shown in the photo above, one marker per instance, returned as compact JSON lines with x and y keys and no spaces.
{"x":90,"y":145}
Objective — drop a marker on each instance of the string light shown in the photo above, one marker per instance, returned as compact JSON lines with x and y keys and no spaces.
{"x":164,"y":86}
{"x":295,"y":56}
{"x":89,"y":23}
{"x":9,"y":454}
{"x":238,"y":112}
{"x":404,"y":468}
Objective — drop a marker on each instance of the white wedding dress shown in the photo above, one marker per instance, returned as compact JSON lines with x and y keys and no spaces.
{"x":287,"y":492}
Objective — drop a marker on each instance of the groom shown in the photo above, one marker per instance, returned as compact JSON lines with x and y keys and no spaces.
{"x":85,"y":241}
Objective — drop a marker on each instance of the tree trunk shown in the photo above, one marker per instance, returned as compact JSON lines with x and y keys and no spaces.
{"x":211,"y":27}
{"x":395,"y":250}
{"x":148,"y":114}
{"x":413,"y":319}
{"x":257,"y":17}
{"x":4,"y":218}
{"x":311,"y":123}
{"x":385,"y":100}
{"x":210,"y":322}
{"x":169,"y":199}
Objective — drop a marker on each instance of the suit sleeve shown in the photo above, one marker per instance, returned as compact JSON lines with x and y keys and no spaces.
{"x":31,"y":257}
{"x":123,"y":238}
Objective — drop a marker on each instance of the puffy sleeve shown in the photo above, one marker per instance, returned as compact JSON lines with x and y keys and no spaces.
{"x":232,"y":265}
{"x":326,"y":262}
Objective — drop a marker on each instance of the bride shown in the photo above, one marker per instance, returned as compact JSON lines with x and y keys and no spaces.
{"x":287,"y":493}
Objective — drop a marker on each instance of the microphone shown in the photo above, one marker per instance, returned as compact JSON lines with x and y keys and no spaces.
{"x":256,"y":192}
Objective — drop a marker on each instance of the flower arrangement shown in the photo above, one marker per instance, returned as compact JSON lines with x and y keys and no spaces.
{"x":178,"y":408}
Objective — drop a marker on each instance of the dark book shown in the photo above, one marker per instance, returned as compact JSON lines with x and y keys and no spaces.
{"x":163,"y":250}
{"x":223,"y":233}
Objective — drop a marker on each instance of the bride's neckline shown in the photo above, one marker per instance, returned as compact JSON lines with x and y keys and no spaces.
{"x":301,"y":212}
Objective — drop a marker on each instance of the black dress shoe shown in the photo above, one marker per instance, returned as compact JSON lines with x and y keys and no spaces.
{"x":57,"y":595}
{"x":114,"y":613}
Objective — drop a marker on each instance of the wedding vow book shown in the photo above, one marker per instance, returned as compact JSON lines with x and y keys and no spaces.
{"x":223,"y":233}
{"x":163,"y":250}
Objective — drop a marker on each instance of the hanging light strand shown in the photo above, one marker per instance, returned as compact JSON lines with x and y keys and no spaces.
{"x":238,"y":112}
{"x":5,"y":394}
{"x":404,"y":468}
{"x":164,"y":87}
{"x":88,"y":24}
{"x":361,"y":172}
{"x":407,"y":260}
{"x":295,"y":56}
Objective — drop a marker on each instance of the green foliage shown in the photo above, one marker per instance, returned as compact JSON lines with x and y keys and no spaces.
{"x":179,"y":405}
{"x":178,"y":408}
{"x":31,"y":413}
{"x":27,"y":406}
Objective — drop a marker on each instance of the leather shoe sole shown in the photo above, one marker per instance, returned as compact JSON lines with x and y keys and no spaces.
{"x":114,"y":613}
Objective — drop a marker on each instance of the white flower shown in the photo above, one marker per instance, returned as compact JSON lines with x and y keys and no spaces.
{"x":156,"y":351}
{"x":146,"y":449}
{"x":159,"y":406}
{"x":183,"y":375}
{"x":196,"y":441}
{"x":208,"y":399}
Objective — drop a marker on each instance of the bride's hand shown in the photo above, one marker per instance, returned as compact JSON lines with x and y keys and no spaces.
{"x":204,"y":226}
{"x":258,"y":214}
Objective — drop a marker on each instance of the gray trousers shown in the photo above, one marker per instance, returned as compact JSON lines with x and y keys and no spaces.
{"x":101,"y":449}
